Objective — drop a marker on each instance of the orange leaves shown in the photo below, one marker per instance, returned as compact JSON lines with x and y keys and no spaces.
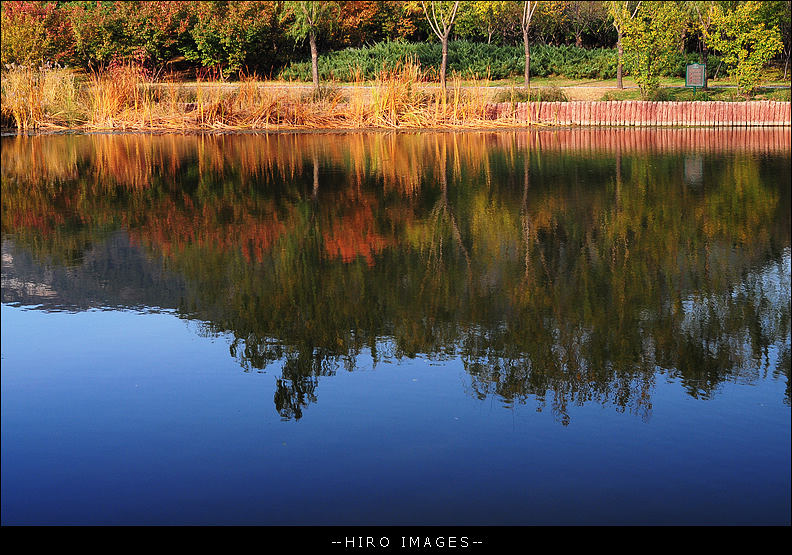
{"x":355,"y":234}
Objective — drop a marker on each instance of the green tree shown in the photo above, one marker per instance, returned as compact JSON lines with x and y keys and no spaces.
{"x":441,"y":17}
{"x":651,"y":36}
{"x":702,"y":21}
{"x":785,"y":26}
{"x":583,"y":17}
{"x":551,"y":22}
{"x":746,"y":41}
{"x":98,"y":33}
{"x":308,"y":19}
{"x":622,"y":13}
{"x":231,"y":35}
{"x":479,"y":19}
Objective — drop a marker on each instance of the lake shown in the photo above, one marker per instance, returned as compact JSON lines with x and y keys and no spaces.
{"x":475,"y":328}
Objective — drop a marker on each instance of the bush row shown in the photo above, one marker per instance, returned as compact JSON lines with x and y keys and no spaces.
{"x":475,"y":60}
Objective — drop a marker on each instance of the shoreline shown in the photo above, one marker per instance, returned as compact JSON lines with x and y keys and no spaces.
{"x":627,"y":114}
{"x":123,"y":101}
{"x":617,"y":140}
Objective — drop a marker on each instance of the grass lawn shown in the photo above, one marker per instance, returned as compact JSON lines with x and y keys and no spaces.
{"x":713,"y":93}
{"x":575,"y":89}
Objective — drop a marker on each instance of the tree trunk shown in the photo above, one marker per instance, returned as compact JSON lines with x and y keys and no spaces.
{"x":527,"y":59}
{"x":619,"y":83}
{"x":704,"y":57}
{"x":579,"y":40}
{"x":314,"y":61}
{"x":443,"y":63}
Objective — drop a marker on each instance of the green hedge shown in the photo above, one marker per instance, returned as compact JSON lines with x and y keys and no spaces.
{"x":475,"y":60}
{"x":469,"y":59}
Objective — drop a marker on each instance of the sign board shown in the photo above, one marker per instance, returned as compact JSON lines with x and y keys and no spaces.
{"x":696,"y":76}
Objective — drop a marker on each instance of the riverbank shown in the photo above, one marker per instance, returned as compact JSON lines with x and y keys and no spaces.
{"x":122,"y":100}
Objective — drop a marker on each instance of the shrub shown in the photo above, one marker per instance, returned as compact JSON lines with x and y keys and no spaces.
{"x":660,"y":95}
{"x":468,"y":59}
{"x":325,"y":93}
{"x":780,"y":95}
{"x":542,"y":94}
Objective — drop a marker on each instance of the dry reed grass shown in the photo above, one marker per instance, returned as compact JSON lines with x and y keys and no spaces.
{"x":123,"y":98}
{"x":34,"y":99}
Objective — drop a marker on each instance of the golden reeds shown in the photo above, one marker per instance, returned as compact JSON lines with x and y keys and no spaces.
{"x":36,"y":99}
{"x":124,"y":98}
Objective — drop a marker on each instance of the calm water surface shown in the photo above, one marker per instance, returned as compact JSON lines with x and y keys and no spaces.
{"x":570,"y":327}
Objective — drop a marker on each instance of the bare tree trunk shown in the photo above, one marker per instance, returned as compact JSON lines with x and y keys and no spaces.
{"x":443,"y":63}
{"x":705,"y":57}
{"x":527,"y":59}
{"x":314,"y":60}
{"x":619,"y":83}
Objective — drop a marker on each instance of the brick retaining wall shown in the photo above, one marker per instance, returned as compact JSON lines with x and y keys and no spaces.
{"x":642,"y":113}
{"x":771,"y":140}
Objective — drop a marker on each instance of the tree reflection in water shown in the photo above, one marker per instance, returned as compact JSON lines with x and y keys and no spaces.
{"x":564,"y":274}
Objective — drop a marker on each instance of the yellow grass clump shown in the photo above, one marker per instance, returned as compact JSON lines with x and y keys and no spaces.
{"x":38,"y":98}
{"x":124,"y":98}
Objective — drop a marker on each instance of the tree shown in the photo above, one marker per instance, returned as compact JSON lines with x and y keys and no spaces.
{"x":551,"y":21}
{"x":703,"y":22}
{"x":366,"y":22}
{"x":441,"y":17}
{"x":478,"y":19}
{"x":528,"y":11}
{"x":785,"y":26}
{"x":227,"y":35}
{"x":25,"y":38}
{"x":308,"y":19}
{"x":621,"y":13}
{"x":746,"y":41}
{"x":582,"y":17}
{"x":651,"y":36}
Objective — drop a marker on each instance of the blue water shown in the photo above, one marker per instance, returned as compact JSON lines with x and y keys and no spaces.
{"x":124,"y":417}
{"x":455,"y":376}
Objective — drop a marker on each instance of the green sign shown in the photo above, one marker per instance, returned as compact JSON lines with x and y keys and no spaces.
{"x":696,"y":76}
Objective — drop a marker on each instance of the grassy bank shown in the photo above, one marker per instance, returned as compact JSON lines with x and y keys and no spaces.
{"x":400,"y":98}
{"x":122,"y":99}
{"x":712,"y":94}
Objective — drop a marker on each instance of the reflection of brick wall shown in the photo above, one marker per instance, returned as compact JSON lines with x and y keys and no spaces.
{"x":653,"y":139}
{"x":645,"y":113}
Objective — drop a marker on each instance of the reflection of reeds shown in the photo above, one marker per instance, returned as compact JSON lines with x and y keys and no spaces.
{"x":124,"y":98}
{"x":401,"y":162}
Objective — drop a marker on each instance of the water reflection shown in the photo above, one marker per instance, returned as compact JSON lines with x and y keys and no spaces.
{"x":562,"y":268}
